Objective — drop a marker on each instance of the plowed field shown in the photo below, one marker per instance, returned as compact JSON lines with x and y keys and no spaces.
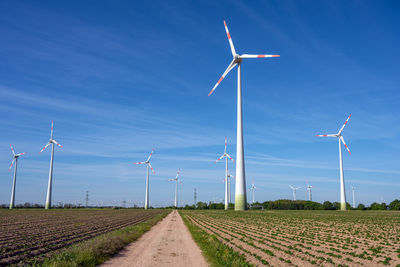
{"x":307,"y":238}
{"x":26,"y":235}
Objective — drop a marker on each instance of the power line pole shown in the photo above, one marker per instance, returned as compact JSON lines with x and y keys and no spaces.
{"x":195,"y":197}
{"x":87,"y":199}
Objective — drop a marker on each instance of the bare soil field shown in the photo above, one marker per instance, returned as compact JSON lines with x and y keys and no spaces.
{"x":30,"y":235}
{"x":307,"y":238}
{"x":168,"y":243}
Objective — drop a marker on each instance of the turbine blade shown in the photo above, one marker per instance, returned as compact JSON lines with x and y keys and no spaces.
{"x":140,"y":162}
{"x":257,"y":56}
{"x":51,"y":134}
{"x":229,"y":157}
{"x":12,"y":149}
{"x":44,"y":147}
{"x":219,"y":158}
{"x":225,"y":145}
{"x":344,"y":143}
{"x":12,"y":163}
{"x":230,"y":40}
{"x":341,"y":129}
{"x":20,"y":154}
{"x":151,"y":168}
{"x":326,"y":135}
{"x":228,"y":69}
{"x":151,"y":153}
{"x":291,"y":187}
{"x":55,"y":142}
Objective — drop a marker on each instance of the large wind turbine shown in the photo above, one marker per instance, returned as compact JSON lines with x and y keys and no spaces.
{"x":340,"y":139}
{"x":176,"y":179}
{"x":147,"y":162}
{"x":309,"y":191}
{"x":51,"y":142}
{"x":294,"y":191}
{"x":240,"y":185}
{"x":253,"y":188}
{"x":15,"y":159}
{"x":226,"y":156}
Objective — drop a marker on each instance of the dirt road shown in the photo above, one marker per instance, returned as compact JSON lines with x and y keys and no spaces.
{"x":168,"y":243}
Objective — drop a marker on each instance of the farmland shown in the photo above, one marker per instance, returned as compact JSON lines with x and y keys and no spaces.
{"x":28,"y":235}
{"x":306,"y":238}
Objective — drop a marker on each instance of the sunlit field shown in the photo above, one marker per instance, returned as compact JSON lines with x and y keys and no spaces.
{"x":306,"y":238}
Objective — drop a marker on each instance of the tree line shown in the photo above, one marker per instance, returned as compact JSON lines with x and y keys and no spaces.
{"x":287,"y":204}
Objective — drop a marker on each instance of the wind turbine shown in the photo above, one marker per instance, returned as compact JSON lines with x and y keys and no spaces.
{"x":229,"y":186}
{"x":294,"y":191}
{"x":309,"y":191}
{"x":226,"y":156}
{"x":176,"y":179}
{"x":341,"y":140}
{"x":51,"y":142}
{"x":240,"y":185}
{"x":354,"y":200}
{"x":253,"y":188}
{"x":15,"y":159}
{"x":147,"y":162}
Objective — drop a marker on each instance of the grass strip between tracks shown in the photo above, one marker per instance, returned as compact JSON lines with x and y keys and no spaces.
{"x":217,"y":253}
{"x":99,"y":249}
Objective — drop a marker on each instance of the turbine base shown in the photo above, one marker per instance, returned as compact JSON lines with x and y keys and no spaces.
{"x":240,"y":202}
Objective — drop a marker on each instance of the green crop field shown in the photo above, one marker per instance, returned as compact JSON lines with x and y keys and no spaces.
{"x":306,"y":238}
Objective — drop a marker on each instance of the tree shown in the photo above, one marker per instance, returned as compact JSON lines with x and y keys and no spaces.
{"x":202,"y":205}
{"x":394,"y":205}
{"x":361,"y":207}
{"x":377,"y":206}
{"x":327,"y":205}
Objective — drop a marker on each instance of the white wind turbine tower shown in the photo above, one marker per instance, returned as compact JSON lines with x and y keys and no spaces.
{"x":15,"y":159}
{"x":341,"y":140}
{"x":229,"y":186}
{"x":253,"y":188}
{"x":309,"y":191}
{"x":240,"y":185}
{"x":294,"y":191}
{"x":226,"y":156}
{"x":148,"y":165}
{"x":51,"y":142}
{"x":176,"y":179}
{"x":354,"y":199}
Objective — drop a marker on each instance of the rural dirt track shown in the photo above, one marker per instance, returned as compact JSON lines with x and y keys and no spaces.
{"x":168,"y":243}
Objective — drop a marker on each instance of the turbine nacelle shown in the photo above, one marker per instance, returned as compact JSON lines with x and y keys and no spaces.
{"x":237,"y":59}
{"x":338,"y":135}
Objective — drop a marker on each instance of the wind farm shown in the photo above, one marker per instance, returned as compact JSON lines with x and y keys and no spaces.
{"x":133,"y":84}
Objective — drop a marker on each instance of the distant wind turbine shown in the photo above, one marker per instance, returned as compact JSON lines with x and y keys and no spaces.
{"x":15,"y":160}
{"x":309,"y":191}
{"x":341,"y":140}
{"x":229,"y":187}
{"x":226,"y":156}
{"x":294,"y":191}
{"x":354,"y":200}
{"x":148,"y":165}
{"x":253,"y":188}
{"x":240,"y":187}
{"x":176,"y":179}
{"x":51,"y":142}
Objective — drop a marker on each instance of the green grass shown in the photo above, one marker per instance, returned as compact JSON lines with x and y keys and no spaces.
{"x":99,"y":249}
{"x":216,"y":253}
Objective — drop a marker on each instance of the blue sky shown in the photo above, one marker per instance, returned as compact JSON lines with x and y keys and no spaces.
{"x":120,"y":78}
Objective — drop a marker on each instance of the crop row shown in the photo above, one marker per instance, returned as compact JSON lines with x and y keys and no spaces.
{"x":32,"y":235}
{"x":305,"y":238}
